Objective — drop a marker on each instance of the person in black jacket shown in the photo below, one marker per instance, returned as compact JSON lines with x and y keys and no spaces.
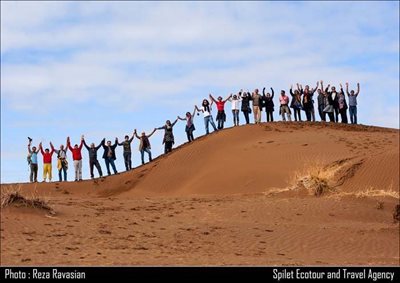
{"x":127,"y":152}
{"x":93,"y":157}
{"x":268,"y":104}
{"x":246,"y":97}
{"x":328,"y":102}
{"x":109,"y":155}
{"x":342,"y":104}
{"x":308,"y":102}
{"x":296,"y":102}
{"x":334,"y":95}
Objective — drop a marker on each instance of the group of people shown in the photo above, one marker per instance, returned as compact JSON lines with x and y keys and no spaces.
{"x":329,"y":101}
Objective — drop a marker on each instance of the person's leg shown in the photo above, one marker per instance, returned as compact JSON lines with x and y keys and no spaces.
{"x":299,"y":113}
{"x":112,"y":162}
{"x":35,"y":172}
{"x":355,"y":114}
{"x":107,"y":160}
{"x":213,"y":124}
{"x":206,"y":122}
{"x":31,"y":174}
{"x":295,"y":114}
{"x":130,"y":160}
{"x":149,"y":153}
{"x":91,"y":167}
{"x":282,"y":112}
{"x":142,"y":155}
{"x":80,"y":169}
{"x":97,"y":164}
{"x":188,"y":135}
{"x":336,"y":115}
{"x":246,"y":116}
{"x":44,"y":172}
{"x":237,"y":117}
{"x":259,"y":115}
{"x":59,"y":174}
{"x":50,"y":171}
{"x":126,"y":162}
{"x":65,"y":173}
{"x":313,"y":114}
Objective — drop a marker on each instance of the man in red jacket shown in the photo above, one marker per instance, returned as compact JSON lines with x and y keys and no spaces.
{"x":77,"y":158}
{"x":47,"y":155}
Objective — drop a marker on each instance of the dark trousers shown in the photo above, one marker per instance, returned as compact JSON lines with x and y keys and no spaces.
{"x":142,"y":151}
{"x":235,"y":114}
{"x":128,"y":160}
{"x":309,"y":114}
{"x":270,"y":116}
{"x":96,"y":163}
{"x":321,"y":112}
{"x":336,"y":110}
{"x":189,"y":134}
{"x":109,"y":161}
{"x":331,"y":117}
{"x":63,"y":168}
{"x":33,"y":175}
{"x":343,"y":115}
{"x":168,"y":146}
{"x":297,"y":112}
{"x":246,"y":116}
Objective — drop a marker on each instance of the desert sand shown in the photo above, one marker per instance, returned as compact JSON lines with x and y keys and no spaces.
{"x":270,"y":194}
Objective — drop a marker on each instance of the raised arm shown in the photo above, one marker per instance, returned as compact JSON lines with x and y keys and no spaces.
{"x":52,"y":148}
{"x":131,"y":139}
{"x":228,"y":98}
{"x":272,"y":92}
{"x":103,"y":141}
{"x":136,"y":135}
{"x":84,"y":143}
{"x":69,"y":144}
{"x":81,"y":145}
{"x":212,"y":98}
{"x":291,"y":90}
{"x":182,"y":118}
{"x":41,"y":148}
{"x":194,"y":112}
{"x":29,"y":148}
{"x":199,"y":110}
{"x":152,"y":133}
{"x":358,"y":89}
{"x":264,"y":91}
{"x":173,"y":124}
{"x":313,"y":90}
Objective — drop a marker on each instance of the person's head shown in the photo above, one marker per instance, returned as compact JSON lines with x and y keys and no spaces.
{"x":334,"y":89}
{"x":62,"y":147}
{"x":188,"y":114}
{"x":319,"y":91}
{"x":219,"y":98}
{"x":306,"y":90}
{"x":268,"y":94}
{"x":47,"y":150}
{"x":168,"y":123}
{"x":256,"y":91}
{"x":143,"y":134}
{"x":296,"y":92}
{"x":75,"y":146}
{"x":92,"y":145}
{"x":34,"y":148}
{"x":282,"y":92}
{"x":351,"y":92}
{"x":234,"y":96}
{"x":126,"y":137}
{"x":205,"y":102}
{"x":109,"y":143}
{"x":307,"y":87}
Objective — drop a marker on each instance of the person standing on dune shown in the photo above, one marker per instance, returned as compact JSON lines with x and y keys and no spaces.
{"x":93,"y":157}
{"x":284,"y":108}
{"x":62,"y":163}
{"x":206,"y":109}
{"x":109,"y":155}
{"x":77,"y":158}
{"x":268,"y":104}
{"x":296,"y":102}
{"x":256,"y":98}
{"x":342,"y":105}
{"x":168,"y":140}
{"x":308,"y":101}
{"x":235,"y":100}
{"x":353,"y":102}
{"x":189,"y":124}
{"x":321,"y":105}
{"x":329,"y":108}
{"x":245,"y":97}
{"x":47,"y":156}
{"x":221,"y":116}
{"x":144,"y":145}
{"x":33,"y":162}
{"x":127,"y":151}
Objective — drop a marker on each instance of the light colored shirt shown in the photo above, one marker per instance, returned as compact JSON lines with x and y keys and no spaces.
{"x":34,"y":157}
{"x":235,"y":104}
{"x":284,"y":100}
{"x":206,"y":113}
{"x":352,"y":100}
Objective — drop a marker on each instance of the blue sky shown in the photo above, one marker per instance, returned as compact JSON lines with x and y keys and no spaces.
{"x":103,"y":69}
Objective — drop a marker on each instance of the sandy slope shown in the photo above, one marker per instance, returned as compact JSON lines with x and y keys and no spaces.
{"x":241,"y":196}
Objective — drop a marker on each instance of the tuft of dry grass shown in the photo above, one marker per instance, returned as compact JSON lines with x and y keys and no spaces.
{"x":12,"y":196}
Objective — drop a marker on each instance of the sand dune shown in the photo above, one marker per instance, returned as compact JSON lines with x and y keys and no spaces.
{"x":242,"y":196}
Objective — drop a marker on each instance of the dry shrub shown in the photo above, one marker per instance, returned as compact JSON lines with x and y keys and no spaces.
{"x":11,"y":196}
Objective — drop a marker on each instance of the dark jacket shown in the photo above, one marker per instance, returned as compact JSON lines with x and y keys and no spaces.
{"x":268,"y":102}
{"x":112,"y":147}
{"x":127,"y":145}
{"x":93,"y":151}
{"x":246,"y":97}
{"x":334,"y":102}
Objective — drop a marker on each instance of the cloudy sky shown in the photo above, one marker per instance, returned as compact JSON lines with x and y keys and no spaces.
{"x":103,"y":69}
